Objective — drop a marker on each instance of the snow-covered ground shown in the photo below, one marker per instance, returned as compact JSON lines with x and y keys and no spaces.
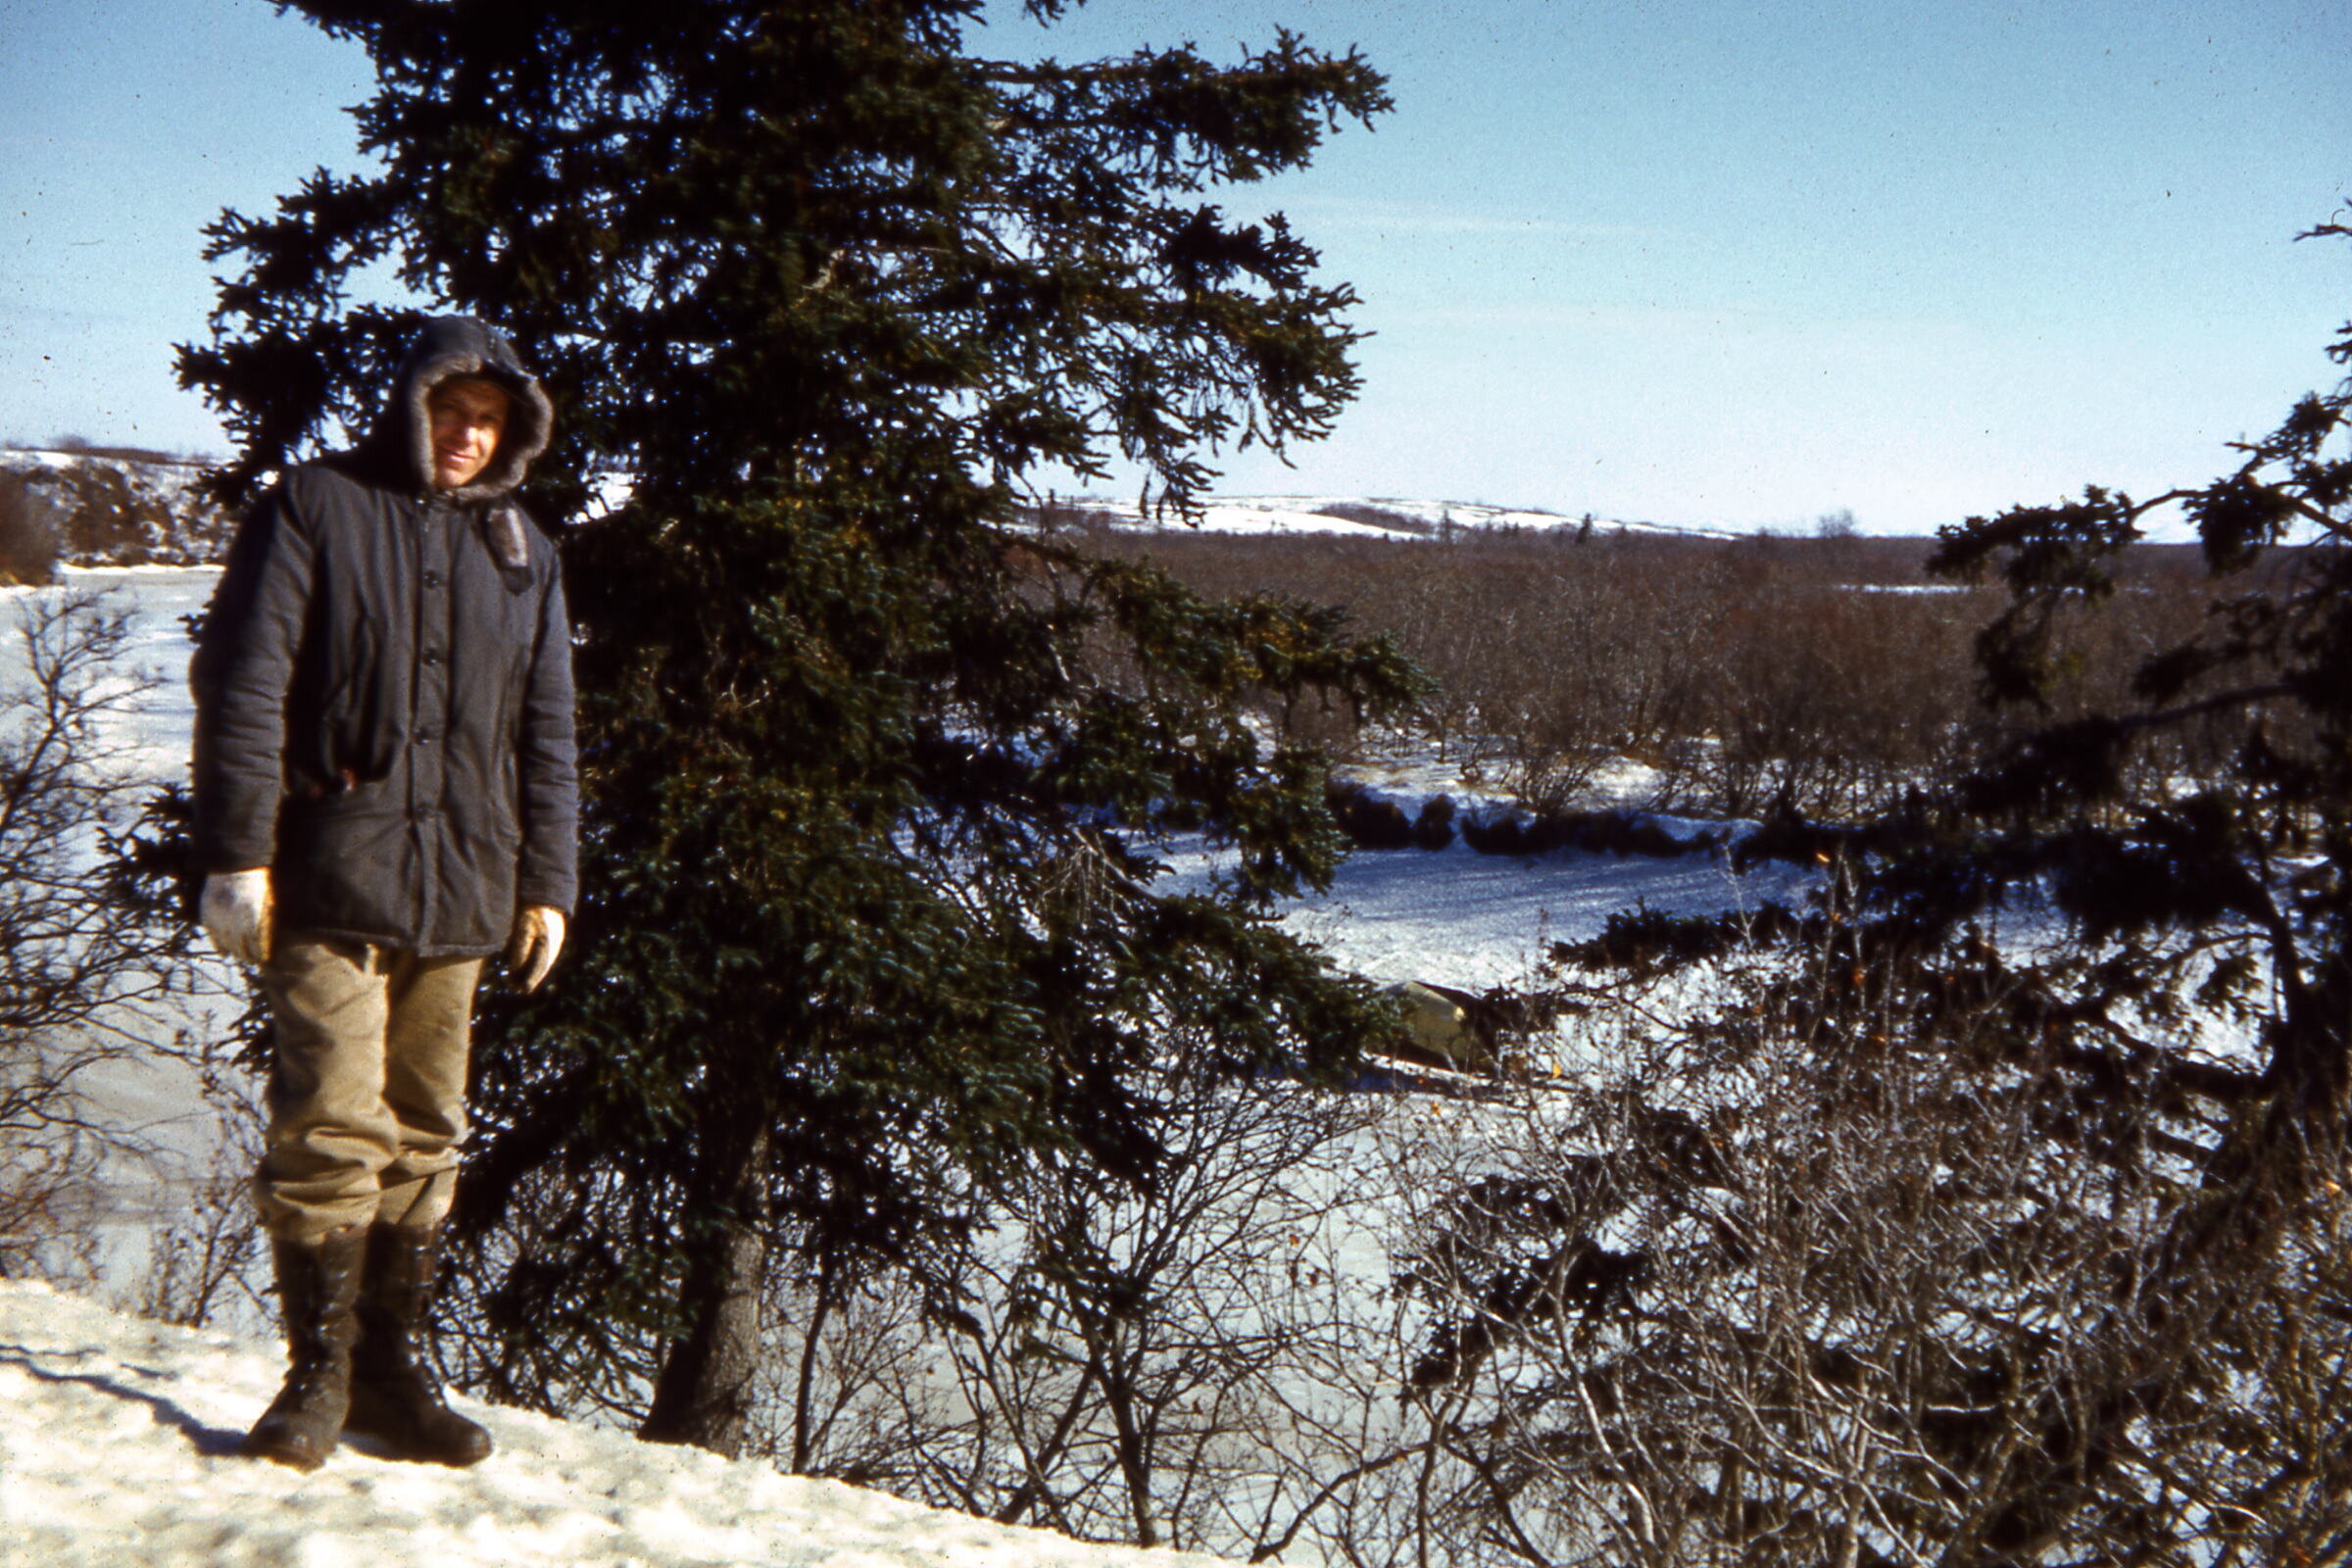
{"x":1469,"y":921}
{"x":118,"y":1449}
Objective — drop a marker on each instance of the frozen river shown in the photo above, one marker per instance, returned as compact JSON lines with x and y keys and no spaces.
{"x":152,"y":1104}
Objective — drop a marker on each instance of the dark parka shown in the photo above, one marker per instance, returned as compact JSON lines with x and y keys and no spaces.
{"x":383,"y":684}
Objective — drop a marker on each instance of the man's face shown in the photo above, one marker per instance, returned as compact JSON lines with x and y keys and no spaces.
{"x":469,"y":418}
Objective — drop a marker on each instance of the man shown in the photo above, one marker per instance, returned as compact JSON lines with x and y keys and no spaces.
{"x":385,"y":795}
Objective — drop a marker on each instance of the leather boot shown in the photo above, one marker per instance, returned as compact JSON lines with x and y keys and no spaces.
{"x":393,"y":1400}
{"x":318,"y":1283}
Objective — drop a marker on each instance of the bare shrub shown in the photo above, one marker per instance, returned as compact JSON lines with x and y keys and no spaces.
{"x":1816,"y":1269}
{"x":204,"y":1261}
{"x":1744,"y":672}
{"x":1137,"y":1357}
{"x":1821,"y":677}
{"x":86,"y":981}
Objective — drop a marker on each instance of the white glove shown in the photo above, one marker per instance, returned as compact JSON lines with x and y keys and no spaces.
{"x":236,"y":913}
{"x":538,"y":937}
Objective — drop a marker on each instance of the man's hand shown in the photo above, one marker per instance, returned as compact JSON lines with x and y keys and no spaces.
{"x":538,"y":937}
{"x":236,"y":912}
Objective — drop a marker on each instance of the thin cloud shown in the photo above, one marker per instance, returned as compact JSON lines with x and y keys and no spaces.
{"x":1417,"y":217}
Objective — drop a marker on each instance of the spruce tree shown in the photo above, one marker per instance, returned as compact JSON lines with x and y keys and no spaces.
{"x":878,"y":780}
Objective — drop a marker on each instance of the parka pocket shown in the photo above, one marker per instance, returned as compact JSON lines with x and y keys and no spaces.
{"x":337,"y":733}
{"x":347,"y":864}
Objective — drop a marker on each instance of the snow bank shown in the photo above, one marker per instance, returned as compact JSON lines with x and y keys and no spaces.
{"x":117,"y":1446}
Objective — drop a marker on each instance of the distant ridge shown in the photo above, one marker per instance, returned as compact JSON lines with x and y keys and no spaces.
{"x":122,"y":506}
{"x":126,"y":506}
{"x":1364,"y":517}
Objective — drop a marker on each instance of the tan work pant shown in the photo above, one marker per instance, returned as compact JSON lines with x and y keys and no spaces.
{"x":368,"y":1095}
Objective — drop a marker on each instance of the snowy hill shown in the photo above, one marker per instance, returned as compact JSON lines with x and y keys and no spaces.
{"x":117,"y":506}
{"x":117,"y":1446}
{"x":1358,"y":515}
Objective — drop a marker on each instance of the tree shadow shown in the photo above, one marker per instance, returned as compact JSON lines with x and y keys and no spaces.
{"x":213,"y":1442}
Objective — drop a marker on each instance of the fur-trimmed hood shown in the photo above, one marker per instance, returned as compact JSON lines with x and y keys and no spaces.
{"x":448,"y":347}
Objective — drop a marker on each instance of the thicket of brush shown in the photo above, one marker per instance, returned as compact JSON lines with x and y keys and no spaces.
{"x":1825,"y":678}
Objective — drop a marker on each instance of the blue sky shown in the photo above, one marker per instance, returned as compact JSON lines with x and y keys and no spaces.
{"x":1672,"y":261}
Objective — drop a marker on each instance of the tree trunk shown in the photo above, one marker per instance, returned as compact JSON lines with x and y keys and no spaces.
{"x":804,"y":1439}
{"x":703,"y":1395}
